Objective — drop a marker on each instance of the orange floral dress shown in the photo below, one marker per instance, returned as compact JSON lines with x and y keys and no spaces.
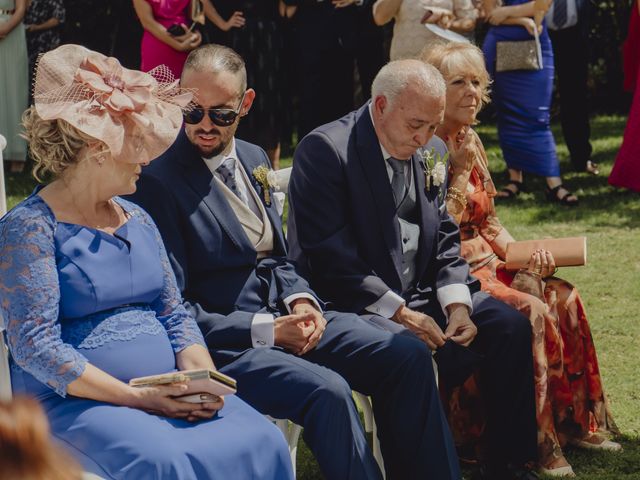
{"x":570,"y":401}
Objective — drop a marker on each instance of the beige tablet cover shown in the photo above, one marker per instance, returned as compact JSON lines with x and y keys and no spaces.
{"x":198,"y":381}
{"x":567,"y":252}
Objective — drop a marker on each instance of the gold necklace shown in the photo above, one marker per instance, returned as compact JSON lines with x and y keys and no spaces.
{"x":112,"y":209}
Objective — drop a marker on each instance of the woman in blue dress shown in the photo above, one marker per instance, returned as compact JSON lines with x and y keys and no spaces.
{"x":523,"y":99}
{"x":89,"y":298}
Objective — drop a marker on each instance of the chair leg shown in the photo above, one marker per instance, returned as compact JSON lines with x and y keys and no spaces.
{"x":370,"y":427}
{"x":291,"y":432}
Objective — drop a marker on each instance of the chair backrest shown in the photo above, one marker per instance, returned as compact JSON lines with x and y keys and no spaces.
{"x":5,"y":380}
{"x":3,"y":193}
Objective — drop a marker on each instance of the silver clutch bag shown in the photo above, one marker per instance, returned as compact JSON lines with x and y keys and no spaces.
{"x":518,"y":55}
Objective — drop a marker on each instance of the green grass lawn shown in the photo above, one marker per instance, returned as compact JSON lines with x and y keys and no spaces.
{"x":609,"y":284}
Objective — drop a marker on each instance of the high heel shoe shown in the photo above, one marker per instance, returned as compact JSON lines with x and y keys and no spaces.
{"x":605,"y":445}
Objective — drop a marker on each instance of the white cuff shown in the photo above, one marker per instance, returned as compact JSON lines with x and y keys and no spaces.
{"x":386,"y":305}
{"x":454,"y":293}
{"x":262,"y":334}
{"x":287,"y":301}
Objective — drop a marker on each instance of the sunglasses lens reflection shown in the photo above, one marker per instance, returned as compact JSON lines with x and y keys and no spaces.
{"x":220,"y":117}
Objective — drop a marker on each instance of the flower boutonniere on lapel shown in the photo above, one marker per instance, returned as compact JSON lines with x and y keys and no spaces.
{"x":267,"y":180}
{"x":434,"y":166}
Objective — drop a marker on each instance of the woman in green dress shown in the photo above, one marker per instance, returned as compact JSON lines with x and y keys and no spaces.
{"x":14,"y":84}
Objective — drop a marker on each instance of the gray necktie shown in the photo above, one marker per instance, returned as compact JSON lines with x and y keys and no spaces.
{"x":560,"y":13}
{"x":398,"y":180}
{"x":227,"y":170}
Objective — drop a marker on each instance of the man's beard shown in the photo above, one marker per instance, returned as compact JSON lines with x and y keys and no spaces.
{"x":225,"y":140}
{"x":210,"y":153}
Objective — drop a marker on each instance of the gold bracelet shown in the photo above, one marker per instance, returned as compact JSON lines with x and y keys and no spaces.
{"x":454,"y":194}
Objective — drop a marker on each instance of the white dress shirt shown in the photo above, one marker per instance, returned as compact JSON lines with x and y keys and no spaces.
{"x":572,"y":16}
{"x":262,"y":324}
{"x":389,"y":303}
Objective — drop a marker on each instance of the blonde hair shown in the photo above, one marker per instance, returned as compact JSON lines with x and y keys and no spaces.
{"x":456,"y":56}
{"x":54,"y":145}
{"x":26,"y":451}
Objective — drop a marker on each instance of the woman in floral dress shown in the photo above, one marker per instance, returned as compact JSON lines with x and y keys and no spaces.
{"x":571,"y":405}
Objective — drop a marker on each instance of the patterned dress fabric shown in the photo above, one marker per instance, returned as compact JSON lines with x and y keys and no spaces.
{"x":261,"y":44}
{"x":570,"y":400}
{"x":73,"y":295}
{"x":626,"y":169}
{"x":14,"y":86}
{"x":522,"y":99}
{"x":42,"y":41}
{"x":410,"y":36}
{"x":154,"y":52}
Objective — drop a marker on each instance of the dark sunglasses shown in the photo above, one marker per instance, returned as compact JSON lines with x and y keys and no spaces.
{"x":222,"y":117}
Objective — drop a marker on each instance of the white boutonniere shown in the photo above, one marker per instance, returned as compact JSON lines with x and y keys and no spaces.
{"x":267,"y":180}
{"x":434,"y":166}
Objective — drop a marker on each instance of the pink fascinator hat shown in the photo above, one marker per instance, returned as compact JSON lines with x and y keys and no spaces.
{"x":137,"y":115}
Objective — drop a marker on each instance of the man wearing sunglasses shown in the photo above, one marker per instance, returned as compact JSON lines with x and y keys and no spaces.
{"x":262,"y":323}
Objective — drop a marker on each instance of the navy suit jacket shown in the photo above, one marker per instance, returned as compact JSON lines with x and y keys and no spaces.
{"x":222,"y":282}
{"x":343,"y":223}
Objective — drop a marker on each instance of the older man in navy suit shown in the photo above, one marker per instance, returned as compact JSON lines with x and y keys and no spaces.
{"x":370,"y":228}
{"x":262,"y":323}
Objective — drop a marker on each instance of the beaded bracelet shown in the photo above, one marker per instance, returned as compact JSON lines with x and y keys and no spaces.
{"x":454,"y":194}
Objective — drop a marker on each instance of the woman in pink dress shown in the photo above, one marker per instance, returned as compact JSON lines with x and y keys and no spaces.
{"x":626,"y":169}
{"x":159,"y":47}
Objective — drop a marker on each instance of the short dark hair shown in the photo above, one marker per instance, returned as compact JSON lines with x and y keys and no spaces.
{"x":217,"y":58}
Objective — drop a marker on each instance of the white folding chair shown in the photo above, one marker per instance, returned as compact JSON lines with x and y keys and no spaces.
{"x":5,"y":379}
{"x":3,"y":193}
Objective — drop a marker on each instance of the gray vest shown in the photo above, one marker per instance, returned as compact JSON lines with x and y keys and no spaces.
{"x":408,"y":217}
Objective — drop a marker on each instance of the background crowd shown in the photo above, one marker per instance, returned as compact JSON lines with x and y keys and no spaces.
{"x":314,"y":61}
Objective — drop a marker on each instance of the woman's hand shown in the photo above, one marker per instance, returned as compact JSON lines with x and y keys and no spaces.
{"x":439,"y":16}
{"x":235,"y":21}
{"x":542,"y":263}
{"x":498,"y":15}
{"x":160,"y":400}
{"x":461,"y":152}
{"x":188,"y":41}
{"x":530,"y":25}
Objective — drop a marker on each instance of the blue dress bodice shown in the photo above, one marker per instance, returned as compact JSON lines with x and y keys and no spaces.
{"x":68,"y":290}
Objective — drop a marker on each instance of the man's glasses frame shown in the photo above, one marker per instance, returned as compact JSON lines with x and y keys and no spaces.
{"x":222,"y":117}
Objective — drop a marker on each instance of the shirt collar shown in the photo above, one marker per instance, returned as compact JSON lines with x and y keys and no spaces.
{"x":216,"y":161}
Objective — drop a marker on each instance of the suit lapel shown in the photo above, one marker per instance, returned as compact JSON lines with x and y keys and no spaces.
{"x":428,"y":216}
{"x":370,"y":157}
{"x":201,"y":180}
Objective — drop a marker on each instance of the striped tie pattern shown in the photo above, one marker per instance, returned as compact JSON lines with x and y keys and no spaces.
{"x":560,"y":13}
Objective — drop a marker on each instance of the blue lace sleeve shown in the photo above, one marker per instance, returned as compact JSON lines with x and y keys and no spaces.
{"x":181,"y":327}
{"x":30,"y":294}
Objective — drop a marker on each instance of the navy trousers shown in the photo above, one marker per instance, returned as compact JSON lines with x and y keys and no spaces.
{"x":315,"y":391}
{"x":501,"y":353}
